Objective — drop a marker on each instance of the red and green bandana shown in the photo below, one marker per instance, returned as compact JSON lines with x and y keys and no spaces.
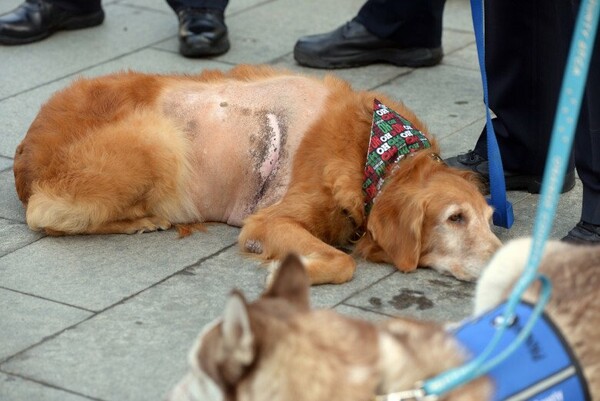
{"x":392,"y":138}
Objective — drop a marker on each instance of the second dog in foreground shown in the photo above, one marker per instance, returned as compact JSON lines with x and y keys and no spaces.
{"x":278,"y":349}
{"x":282,"y":154}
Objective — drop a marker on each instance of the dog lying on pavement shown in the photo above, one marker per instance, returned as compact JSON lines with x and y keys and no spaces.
{"x":278,"y":349}
{"x":282,"y":154}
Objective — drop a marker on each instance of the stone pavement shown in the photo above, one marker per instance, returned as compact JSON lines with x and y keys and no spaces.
{"x":112,"y":317}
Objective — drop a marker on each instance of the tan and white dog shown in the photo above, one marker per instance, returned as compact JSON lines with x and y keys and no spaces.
{"x":278,"y":349}
{"x":281,"y":154}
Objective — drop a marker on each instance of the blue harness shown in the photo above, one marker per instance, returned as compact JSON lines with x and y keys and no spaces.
{"x":543,"y":368}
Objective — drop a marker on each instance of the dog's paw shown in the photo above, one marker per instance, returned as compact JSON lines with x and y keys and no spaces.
{"x":148,"y":224}
{"x":353,"y":206}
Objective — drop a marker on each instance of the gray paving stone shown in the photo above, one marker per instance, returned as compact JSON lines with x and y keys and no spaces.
{"x":457,"y":15}
{"x":365,"y":78}
{"x":568,"y":214}
{"x":5,"y":163}
{"x":94,"y":272}
{"x":15,"y":235}
{"x":10,"y":205}
{"x":329,"y":295}
{"x":8,"y":5}
{"x":464,"y":139}
{"x":26,"y":320}
{"x":145,"y":340}
{"x":154,"y":61}
{"x":442,"y":96}
{"x":17,"y":114}
{"x":455,"y":41}
{"x":157,"y":326}
{"x":125,"y":29}
{"x":423,"y":294}
{"x":464,"y":58}
{"x":14,"y":388}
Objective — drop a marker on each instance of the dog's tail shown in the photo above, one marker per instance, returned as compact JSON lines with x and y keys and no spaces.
{"x":130,"y":170}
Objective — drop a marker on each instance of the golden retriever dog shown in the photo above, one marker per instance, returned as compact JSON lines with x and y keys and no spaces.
{"x":281,"y":154}
{"x":278,"y":349}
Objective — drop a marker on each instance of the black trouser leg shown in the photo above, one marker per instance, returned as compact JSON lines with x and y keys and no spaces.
{"x":79,"y":6}
{"x":587,"y":142}
{"x":526,"y":46}
{"x":411,"y":23}
{"x":177,"y":5}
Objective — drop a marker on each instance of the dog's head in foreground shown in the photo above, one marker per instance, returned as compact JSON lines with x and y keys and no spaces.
{"x":278,"y":349}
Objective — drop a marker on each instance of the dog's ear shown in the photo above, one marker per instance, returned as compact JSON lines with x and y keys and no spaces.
{"x":291,"y":283}
{"x":237,"y":339}
{"x":395,"y":224}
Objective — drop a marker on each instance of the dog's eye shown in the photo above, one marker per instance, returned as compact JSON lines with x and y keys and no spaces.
{"x":457,"y":218}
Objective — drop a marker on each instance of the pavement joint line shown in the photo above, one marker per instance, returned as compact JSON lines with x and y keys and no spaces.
{"x":252,"y":7}
{"x":202,"y":260}
{"x":411,"y":70}
{"x":143,"y":8}
{"x":122,"y":301}
{"x":356,"y":292}
{"x":461,"y":31}
{"x":170,"y":12}
{"x":15,"y":250}
{"x":370,"y":310}
{"x":137,"y":49}
{"x":232,"y":64}
{"x":48,"y":299}
{"x":43,"y":383}
{"x":388,"y":81}
{"x":456,"y":132}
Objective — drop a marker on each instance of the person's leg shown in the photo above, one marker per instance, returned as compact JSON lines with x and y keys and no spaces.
{"x":400,"y":32}
{"x":177,"y":5}
{"x":408,"y":23}
{"x":78,"y":6}
{"x":35,"y":20}
{"x":202,"y":29}
{"x":587,"y":157}
{"x":526,"y":47}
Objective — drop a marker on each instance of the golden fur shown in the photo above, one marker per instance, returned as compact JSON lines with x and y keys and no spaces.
{"x":277,"y":348}
{"x":117,"y":154}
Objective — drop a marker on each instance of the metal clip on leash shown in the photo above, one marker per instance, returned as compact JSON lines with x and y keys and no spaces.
{"x":556,"y":165}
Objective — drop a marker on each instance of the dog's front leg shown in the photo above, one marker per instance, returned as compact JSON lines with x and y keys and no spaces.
{"x":273,"y":238}
{"x":345,"y":185}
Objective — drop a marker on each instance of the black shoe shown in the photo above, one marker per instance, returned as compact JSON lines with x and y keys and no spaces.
{"x":583,"y":234}
{"x":514,"y":181}
{"x":351,"y":45}
{"x":35,"y":20}
{"x":202,"y":32}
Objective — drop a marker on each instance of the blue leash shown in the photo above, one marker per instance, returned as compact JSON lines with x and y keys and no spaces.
{"x":563,"y":134}
{"x":503,"y":210}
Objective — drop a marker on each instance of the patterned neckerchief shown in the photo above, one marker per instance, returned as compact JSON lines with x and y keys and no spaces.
{"x":392,"y":138}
